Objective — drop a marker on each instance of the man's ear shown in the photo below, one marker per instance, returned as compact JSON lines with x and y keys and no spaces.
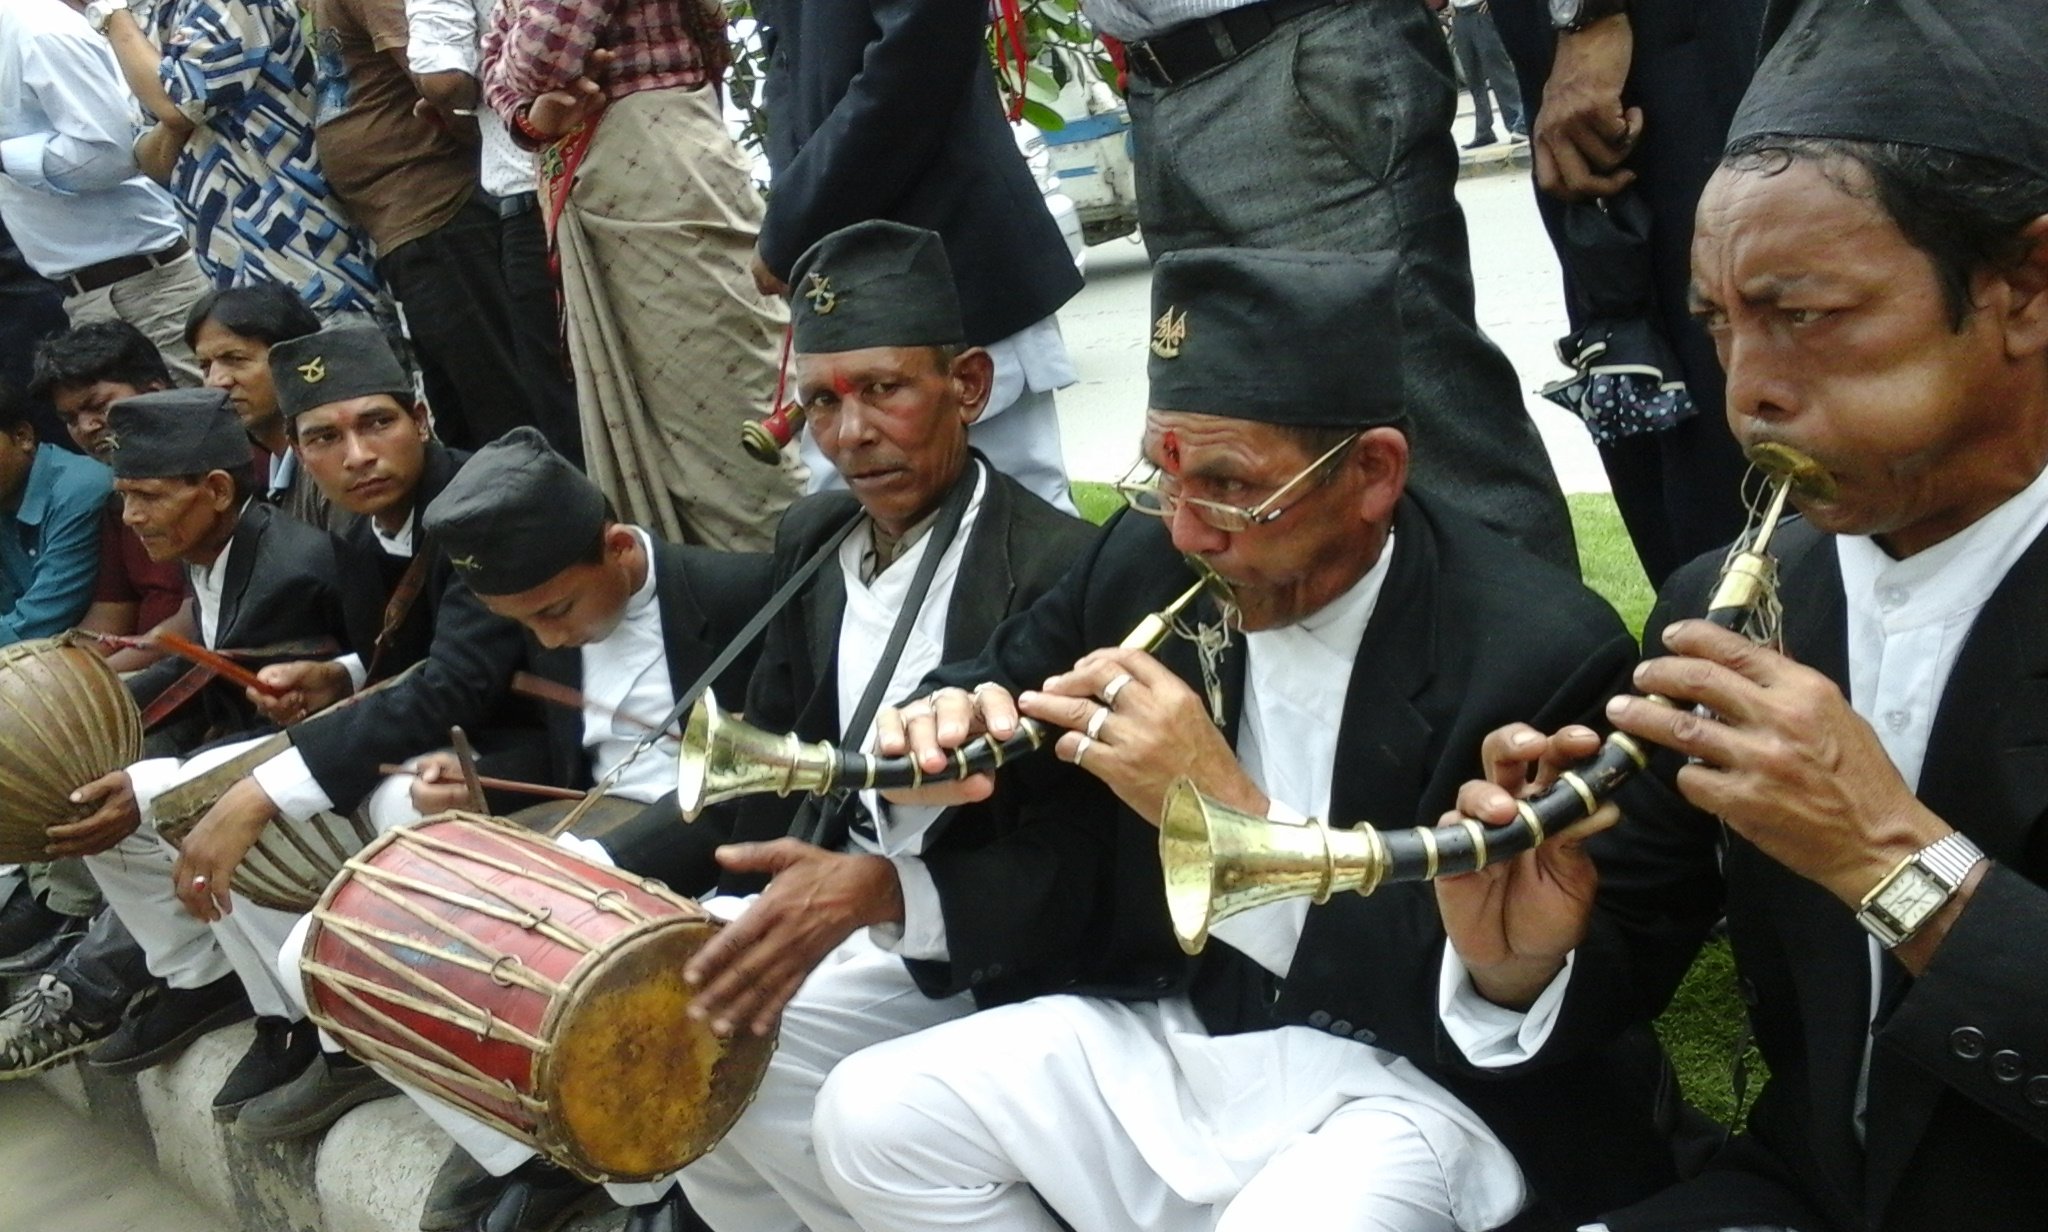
{"x":2026,"y":308}
{"x":974,"y":377}
{"x":1381,"y":460}
{"x":24,"y":435}
{"x":220,"y":490}
{"x":423,"y":420}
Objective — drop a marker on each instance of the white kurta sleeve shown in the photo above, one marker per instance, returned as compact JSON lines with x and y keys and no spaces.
{"x":1492,"y":1036}
{"x":150,"y":778}
{"x":289,"y":782}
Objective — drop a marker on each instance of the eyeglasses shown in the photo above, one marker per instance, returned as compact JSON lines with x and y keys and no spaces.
{"x":1149,"y":491}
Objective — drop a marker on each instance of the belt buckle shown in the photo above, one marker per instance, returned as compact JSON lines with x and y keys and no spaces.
{"x":1152,"y":58}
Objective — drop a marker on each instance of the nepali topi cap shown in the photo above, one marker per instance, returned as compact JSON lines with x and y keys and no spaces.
{"x":874,"y":284}
{"x":515,"y":515}
{"x":175,"y":433}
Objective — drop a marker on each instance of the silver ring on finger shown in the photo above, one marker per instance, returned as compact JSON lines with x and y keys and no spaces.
{"x":1095,"y":722}
{"x":1081,"y":749}
{"x":1116,"y":685}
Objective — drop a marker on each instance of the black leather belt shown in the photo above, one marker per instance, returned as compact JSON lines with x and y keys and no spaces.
{"x":107,"y":273}
{"x":1195,"y":47}
{"x":516,"y":204}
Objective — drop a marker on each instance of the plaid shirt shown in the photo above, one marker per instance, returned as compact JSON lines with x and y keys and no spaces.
{"x":534,"y":46}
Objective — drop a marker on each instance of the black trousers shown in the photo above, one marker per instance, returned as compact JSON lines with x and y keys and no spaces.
{"x":480,"y":307}
{"x":1487,"y":68}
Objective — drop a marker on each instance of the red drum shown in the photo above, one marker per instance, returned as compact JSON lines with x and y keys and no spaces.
{"x":540,"y":991}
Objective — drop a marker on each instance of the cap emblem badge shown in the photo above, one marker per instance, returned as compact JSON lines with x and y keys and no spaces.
{"x":823,"y":298}
{"x":1168,"y":333}
{"x":313,"y":371}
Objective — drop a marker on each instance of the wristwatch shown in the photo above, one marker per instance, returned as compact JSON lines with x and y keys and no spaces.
{"x":100,"y":12}
{"x":1571,"y":16}
{"x":1919,"y":886}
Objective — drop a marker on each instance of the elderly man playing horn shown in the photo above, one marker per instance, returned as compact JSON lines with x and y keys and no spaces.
{"x":1865,"y":805}
{"x":1362,"y":641}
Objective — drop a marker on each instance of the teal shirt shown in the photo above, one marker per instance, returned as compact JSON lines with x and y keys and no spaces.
{"x":50,"y":547}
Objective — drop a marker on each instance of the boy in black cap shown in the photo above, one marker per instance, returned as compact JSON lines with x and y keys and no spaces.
{"x":1285,"y":1077}
{"x":1867,"y":806}
{"x":259,"y":578}
{"x":416,"y":629}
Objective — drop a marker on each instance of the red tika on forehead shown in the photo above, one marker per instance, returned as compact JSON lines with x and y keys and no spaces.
{"x":842,"y":385}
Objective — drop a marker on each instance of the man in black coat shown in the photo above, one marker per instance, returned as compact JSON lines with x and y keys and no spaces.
{"x":429,"y":657}
{"x":1379,"y":632}
{"x":1866,"y":805}
{"x":932,"y":548}
{"x":260,"y":579}
{"x":888,"y":109}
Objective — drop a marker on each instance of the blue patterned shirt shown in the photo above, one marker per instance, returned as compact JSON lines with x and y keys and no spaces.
{"x":249,"y":182}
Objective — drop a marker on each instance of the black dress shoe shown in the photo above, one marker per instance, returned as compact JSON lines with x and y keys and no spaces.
{"x":461,"y":1192}
{"x":280,"y":1052}
{"x":539,"y":1197}
{"x":671,"y":1213}
{"x":309,"y":1103}
{"x":41,"y":955}
{"x":26,"y":921}
{"x":168,"y":1022}
{"x":1481,"y":141}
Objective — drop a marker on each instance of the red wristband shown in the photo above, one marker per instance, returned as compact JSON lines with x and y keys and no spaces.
{"x":522,"y":124}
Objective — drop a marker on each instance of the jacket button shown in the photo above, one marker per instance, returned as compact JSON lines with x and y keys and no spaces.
{"x":1161,"y":983}
{"x":1320,"y":1020}
{"x":2006,"y":1066}
{"x":2037,"y":1090}
{"x":1967,"y":1043}
{"x":1364,"y":1035}
{"x":994,"y":970}
{"x":1340,"y":1027}
{"x":977,"y":976}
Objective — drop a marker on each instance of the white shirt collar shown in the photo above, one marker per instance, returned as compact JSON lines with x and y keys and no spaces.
{"x":1951,"y":578}
{"x":400,"y":542}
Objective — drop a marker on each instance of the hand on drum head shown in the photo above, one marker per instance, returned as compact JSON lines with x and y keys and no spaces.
{"x":301,"y":689}
{"x":931,"y":727}
{"x":114,"y":818}
{"x":437,"y":784}
{"x":815,"y":899}
{"x":1513,"y":922}
{"x":214,"y":849}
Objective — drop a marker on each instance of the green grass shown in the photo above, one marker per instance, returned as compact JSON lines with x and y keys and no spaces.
{"x":1704,"y":1022}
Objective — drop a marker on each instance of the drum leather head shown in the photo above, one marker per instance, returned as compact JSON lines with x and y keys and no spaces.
{"x":635,"y":1088}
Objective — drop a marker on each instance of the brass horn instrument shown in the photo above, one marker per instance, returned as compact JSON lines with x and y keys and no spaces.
{"x":723,"y":758}
{"x":1219,"y":861}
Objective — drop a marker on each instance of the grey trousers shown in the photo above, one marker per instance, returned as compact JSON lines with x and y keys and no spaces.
{"x":154,"y":302}
{"x":1334,"y":133}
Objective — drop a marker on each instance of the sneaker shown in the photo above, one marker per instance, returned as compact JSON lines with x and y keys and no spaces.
{"x":280,"y":1052}
{"x":43,"y":1028}
{"x":45,"y":952}
{"x":309,"y":1103}
{"x":168,"y":1022}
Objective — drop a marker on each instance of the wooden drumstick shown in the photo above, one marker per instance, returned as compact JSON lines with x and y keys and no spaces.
{"x":542,"y":790}
{"x":465,"y":757}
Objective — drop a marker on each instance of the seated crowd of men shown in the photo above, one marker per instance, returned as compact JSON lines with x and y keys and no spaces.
{"x":985,"y":1019}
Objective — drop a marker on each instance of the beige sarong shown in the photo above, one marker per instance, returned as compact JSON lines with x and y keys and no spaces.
{"x":673,"y":348}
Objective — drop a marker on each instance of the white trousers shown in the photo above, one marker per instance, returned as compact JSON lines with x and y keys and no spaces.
{"x":1130,"y":1117}
{"x":184,"y":952}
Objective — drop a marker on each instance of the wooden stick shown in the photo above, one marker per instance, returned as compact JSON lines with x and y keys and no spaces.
{"x":224,"y":667}
{"x":542,"y":790}
{"x":526,"y":684}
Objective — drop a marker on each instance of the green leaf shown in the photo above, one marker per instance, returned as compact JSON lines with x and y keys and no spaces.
{"x":1043,"y":116}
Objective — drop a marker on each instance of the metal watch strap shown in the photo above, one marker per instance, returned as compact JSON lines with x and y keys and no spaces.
{"x":1949,"y":859}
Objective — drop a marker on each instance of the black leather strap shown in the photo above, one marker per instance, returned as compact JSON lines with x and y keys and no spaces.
{"x":1195,"y":47}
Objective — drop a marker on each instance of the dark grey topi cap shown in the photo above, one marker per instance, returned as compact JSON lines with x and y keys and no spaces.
{"x":1309,"y":339}
{"x":1966,"y":76}
{"x":176,"y":432}
{"x":874,"y":284}
{"x":338,"y":364}
{"x":515,"y":515}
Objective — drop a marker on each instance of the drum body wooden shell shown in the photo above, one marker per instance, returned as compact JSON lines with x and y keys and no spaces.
{"x":65,"y":720}
{"x":541,"y":992}
{"x":293,"y":860}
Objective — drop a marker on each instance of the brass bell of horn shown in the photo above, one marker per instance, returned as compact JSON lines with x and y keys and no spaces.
{"x":723,"y":758}
{"x":1220,"y":862}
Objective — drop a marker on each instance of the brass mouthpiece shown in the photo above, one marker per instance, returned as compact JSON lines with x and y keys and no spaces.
{"x":1806,"y":476}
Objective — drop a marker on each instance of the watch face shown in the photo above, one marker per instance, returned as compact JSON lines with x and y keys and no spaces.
{"x":1565,"y":12}
{"x":1912,"y":897}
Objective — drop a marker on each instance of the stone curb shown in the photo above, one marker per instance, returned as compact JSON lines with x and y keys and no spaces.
{"x":1500,"y":159}
{"x":366,"y":1174}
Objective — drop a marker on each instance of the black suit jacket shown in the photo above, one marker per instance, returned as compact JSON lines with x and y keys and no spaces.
{"x":888,"y":109}
{"x":1957,"y":1128}
{"x":1469,"y":633}
{"x":462,"y":659}
{"x":283,"y":584}
{"x":1016,"y":551}
{"x":706,"y":597}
